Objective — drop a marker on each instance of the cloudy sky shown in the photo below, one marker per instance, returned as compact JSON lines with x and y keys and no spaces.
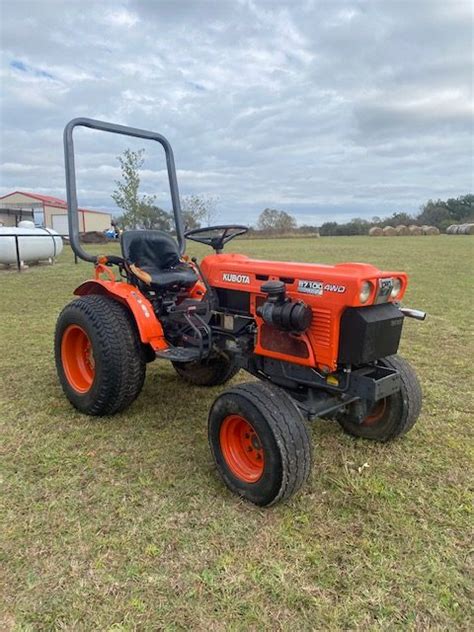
{"x":326,"y":109}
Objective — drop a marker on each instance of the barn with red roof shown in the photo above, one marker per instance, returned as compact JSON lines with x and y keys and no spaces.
{"x":49,"y":211}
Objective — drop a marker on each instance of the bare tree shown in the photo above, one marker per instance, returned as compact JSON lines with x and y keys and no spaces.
{"x":197,"y":209}
{"x":273,"y":221}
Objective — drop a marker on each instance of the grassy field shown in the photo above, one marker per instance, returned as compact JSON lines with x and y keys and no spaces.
{"x":122,"y":523}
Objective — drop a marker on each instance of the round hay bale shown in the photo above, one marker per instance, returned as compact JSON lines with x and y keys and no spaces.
{"x":449,"y":230}
{"x":465,"y":229}
{"x":389,"y":231}
{"x":415,"y":230}
{"x":401,"y":230}
{"x":375,"y":231}
{"x":430,"y":230}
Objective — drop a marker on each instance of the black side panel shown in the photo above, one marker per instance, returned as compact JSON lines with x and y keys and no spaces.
{"x":369,"y":333}
{"x":233,"y":300}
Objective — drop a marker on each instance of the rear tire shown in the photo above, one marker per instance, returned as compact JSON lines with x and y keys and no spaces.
{"x":393,"y":416}
{"x":212,"y":372}
{"x":99,"y":359}
{"x":259,"y":442}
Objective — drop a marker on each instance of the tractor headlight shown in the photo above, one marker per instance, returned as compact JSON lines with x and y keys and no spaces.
{"x":365,"y":291}
{"x":396,"y":287}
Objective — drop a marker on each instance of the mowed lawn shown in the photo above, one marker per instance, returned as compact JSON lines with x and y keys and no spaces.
{"x":122,"y":523}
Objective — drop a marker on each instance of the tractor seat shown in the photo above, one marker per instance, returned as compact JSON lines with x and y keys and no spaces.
{"x":153,"y":257}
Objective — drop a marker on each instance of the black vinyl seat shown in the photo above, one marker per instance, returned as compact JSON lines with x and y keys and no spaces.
{"x":154,"y":258}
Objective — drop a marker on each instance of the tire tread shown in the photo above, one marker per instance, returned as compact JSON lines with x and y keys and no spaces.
{"x":409,"y":405}
{"x":215,"y":373}
{"x":290,"y":432}
{"x":413,"y":401}
{"x":122,"y":381}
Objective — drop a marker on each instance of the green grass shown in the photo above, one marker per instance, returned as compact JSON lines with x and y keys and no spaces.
{"x":122,"y":523}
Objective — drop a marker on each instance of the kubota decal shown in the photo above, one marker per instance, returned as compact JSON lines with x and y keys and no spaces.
{"x":230,"y":277}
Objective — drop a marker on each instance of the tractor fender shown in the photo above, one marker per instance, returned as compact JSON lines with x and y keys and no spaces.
{"x":149,"y":327}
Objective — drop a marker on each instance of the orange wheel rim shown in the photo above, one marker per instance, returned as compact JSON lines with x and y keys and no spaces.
{"x":242,"y":449}
{"x":77,"y":358}
{"x":376,"y":414}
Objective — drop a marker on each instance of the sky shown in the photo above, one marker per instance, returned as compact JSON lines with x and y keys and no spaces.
{"x":327,"y":110}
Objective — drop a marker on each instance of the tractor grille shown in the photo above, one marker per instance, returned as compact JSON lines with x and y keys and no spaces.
{"x":321,"y":327}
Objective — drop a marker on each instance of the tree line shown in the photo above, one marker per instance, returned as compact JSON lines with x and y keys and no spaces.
{"x":439,"y":213}
{"x":142,"y":211}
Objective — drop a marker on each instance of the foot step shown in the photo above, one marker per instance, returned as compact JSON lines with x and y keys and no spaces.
{"x":178,"y":354}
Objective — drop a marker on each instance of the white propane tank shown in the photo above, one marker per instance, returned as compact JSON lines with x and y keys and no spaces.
{"x":34,"y":244}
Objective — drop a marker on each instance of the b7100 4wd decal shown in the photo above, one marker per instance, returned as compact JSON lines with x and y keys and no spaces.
{"x":333,"y":287}
{"x":319,"y":287}
{"x":230,"y":277}
{"x":311,"y":287}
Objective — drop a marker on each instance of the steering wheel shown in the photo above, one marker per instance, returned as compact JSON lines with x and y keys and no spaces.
{"x":216,"y":236}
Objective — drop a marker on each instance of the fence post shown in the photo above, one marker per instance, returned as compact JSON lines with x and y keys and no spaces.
{"x":18,"y":261}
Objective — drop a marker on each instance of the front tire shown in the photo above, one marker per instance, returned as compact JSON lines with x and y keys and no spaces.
{"x":211,"y":372}
{"x":98,"y":355}
{"x":259,"y":442}
{"x":392,"y":416}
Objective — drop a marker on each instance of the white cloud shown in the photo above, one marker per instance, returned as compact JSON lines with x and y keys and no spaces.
{"x":122,"y":18}
{"x":324,"y":109}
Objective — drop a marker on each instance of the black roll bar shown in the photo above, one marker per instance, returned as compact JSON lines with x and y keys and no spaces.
{"x":71,"y":190}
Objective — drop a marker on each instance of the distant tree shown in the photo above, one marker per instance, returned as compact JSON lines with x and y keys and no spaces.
{"x":154,"y":217}
{"x":356,"y":226}
{"x":139,"y":211}
{"x":267,"y":220}
{"x":198,"y":208}
{"x":461,"y":208}
{"x":442,"y":213}
{"x":399,"y":218}
{"x":434,"y":213}
{"x":328,"y":229}
{"x":273,"y":221}
{"x":149,"y":218}
{"x":308,"y":229}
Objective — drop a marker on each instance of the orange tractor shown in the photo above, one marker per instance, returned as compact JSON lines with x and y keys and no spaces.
{"x":322,"y":341}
